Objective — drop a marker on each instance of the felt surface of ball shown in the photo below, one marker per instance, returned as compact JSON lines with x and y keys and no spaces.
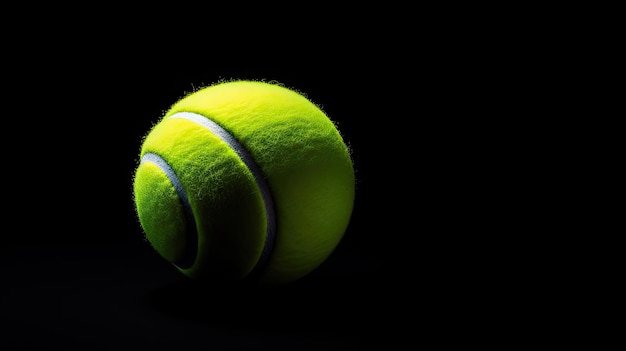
{"x":244,"y":180}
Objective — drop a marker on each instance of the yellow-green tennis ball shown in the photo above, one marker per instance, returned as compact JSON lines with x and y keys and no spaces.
{"x":244,"y":180}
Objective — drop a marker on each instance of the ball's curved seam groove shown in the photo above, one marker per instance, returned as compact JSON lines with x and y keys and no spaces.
{"x":249,"y":161}
{"x":191,"y":248}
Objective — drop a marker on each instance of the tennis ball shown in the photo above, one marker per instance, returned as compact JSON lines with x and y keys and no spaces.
{"x":244,"y":180}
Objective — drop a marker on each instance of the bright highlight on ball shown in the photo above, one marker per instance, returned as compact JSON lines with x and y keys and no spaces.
{"x":244,"y":180}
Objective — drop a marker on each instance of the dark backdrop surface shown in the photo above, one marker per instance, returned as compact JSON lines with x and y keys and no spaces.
{"x":75,"y":271}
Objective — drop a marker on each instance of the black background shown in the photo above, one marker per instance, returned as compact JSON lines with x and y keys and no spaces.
{"x":79,"y":96}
